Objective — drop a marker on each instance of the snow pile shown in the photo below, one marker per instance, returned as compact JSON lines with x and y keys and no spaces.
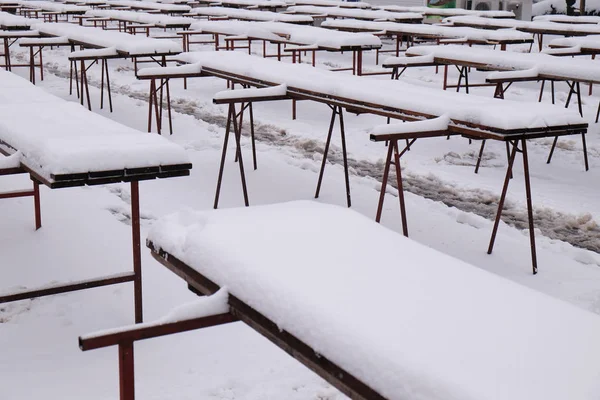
{"x":425,"y":325}
{"x":123,"y":42}
{"x":60,"y":137}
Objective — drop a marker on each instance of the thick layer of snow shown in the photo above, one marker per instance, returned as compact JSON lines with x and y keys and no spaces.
{"x":250,"y":15}
{"x":123,"y":42}
{"x":182,"y":69}
{"x":140,"y":17}
{"x":146,"y":5}
{"x":338,"y":12}
{"x":401,"y":61}
{"x":591,"y":42}
{"x":569,"y":19}
{"x":396,"y":94}
{"x":279,"y":90}
{"x":247,"y":3}
{"x":432,"y":31}
{"x":538,"y":26}
{"x":46,"y":41}
{"x":11,"y":161}
{"x":52,"y":6}
{"x":10,"y":20}
{"x":331,"y":3}
{"x":448,"y":11}
{"x":59,"y":137}
{"x":428,"y":125}
{"x":296,"y":34}
{"x":106,"y":52}
{"x":546,"y":65}
{"x":425,"y":325}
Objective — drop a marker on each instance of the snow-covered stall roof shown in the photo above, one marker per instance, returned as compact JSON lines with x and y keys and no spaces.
{"x":412,"y":323}
{"x":538,"y":26}
{"x":123,"y":42}
{"x":11,"y":21}
{"x":487,"y":112}
{"x":56,"y":137}
{"x":448,"y":11}
{"x":250,"y":15}
{"x":146,"y":5}
{"x":55,"y":7}
{"x":141,"y":17}
{"x":426,"y":30}
{"x":297,"y":34}
{"x":372,"y":15}
{"x":546,"y":65}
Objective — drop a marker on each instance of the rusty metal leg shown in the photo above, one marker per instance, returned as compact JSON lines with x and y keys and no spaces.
{"x":110,"y":105}
{"x":502,"y":197}
{"x":71,"y":78}
{"x":386,"y":172}
{"x":252,"y":136}
{"x":87,"y":90}
{"x":400,"y":188}
{"x":479,"y":156}
{"x":345,"y":156}
{"x":223,"y":155}
{"x":552,"y":150}
{"x":102,"y":85}
{"x":169,"y":107}
{"x":41,"y":65}
{"x":325,"y":151}
{"x":31,"y":65}
{"x":37,"y":205}
{"x":150,"y":97}
{"x":579,"y":98}
{"x":242,"y":109}
{"x":585,"y":155}
{"x":126,"y":371}
{"x":529,"y":207}
{"x":237,"y":131}
{"x":137,"y":255}
{"x":541,"y":91}
{"x":293,"y":109}
{"x":156,"y":111}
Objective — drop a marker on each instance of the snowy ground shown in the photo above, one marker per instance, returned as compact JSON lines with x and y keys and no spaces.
{"x":86,"y":234}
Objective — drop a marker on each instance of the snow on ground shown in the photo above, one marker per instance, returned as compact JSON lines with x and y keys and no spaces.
{"x":86,"y":233}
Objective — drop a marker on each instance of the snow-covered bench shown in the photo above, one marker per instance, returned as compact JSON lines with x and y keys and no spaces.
{"x":61,"y":144}
{"x":377,"y":315}
{"x":136,"y":18}
{"x":149,"y":6}
{"x":249,"y":15}
{"x":368,"y":15}
{"x":448,"y":12}
{"x":261,"y":5}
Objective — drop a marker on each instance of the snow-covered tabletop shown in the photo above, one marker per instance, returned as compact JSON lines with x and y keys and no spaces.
{"x":147,"y":5}
{"x":56,"y":137}
{"x":141,"y":17}
{"x":431,"y":31}
{"x":372,"y":15}
{"x":569,"y":19}
{"x":55,"y":7}
{"x":448,"y":11}
{"x":11,"y":21}
{"x":407,"y":320}
{"x":461,"y":108}
{"x":124,"y":43}
{"x":251,"y":15}
{"x":541,"y":26}
{"x":588,"y":43}
{"x":331,"y":3}
{"x":547,"y":66}
{"x":292,"y":33}
{"x":259,"y":4}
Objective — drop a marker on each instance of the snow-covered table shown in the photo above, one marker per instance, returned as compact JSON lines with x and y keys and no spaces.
{"x":436,"y":33}
{"x":243,"y":14}
{"x":368,"y":15}
{"x":51,"y":10}
{"x":331,"y":3}
{"x":297,"y":38}
{"x":472,"y":116}
{"x":538,"y":28}
{"x":261,"y":5}
{"x":133,"y":17}
{"x":377,"y":315}
{"x":149,"y":6}
{"x":447,"y":12}
{"x":15,"y":22}
{"x":60,"y":144}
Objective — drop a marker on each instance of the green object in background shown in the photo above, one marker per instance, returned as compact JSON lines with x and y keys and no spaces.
{"x":441,"y":3}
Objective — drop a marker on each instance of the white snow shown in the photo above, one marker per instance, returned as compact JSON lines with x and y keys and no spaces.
{"x":106,"y":52}
{"x":412,"y":323}
{"x":537,"y":26}
{"x":448,"y":11}
{"x":279,"y":90}
{"x":586,"y":42}
{"x":140,"y":17}
{"x":569,"y":19}
{"x":10,"y":20}
{"x":338,"y":12}
{"x":426,"y":30}
{"x":11,"y":161}
{"x":427,"y":125}
{"x":52,"y":6}
{"x":296,"y":34}
{"x":250,"y":15}
{"x":546,"y":65}
{"x":395,"y":94}
{"x":402,"y":61}
{"x":145,"y":5}
{"x":58,"y":137}
{"x":166,"y":71}
{"x":123,"y":42}
{"x":332,"y":3}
